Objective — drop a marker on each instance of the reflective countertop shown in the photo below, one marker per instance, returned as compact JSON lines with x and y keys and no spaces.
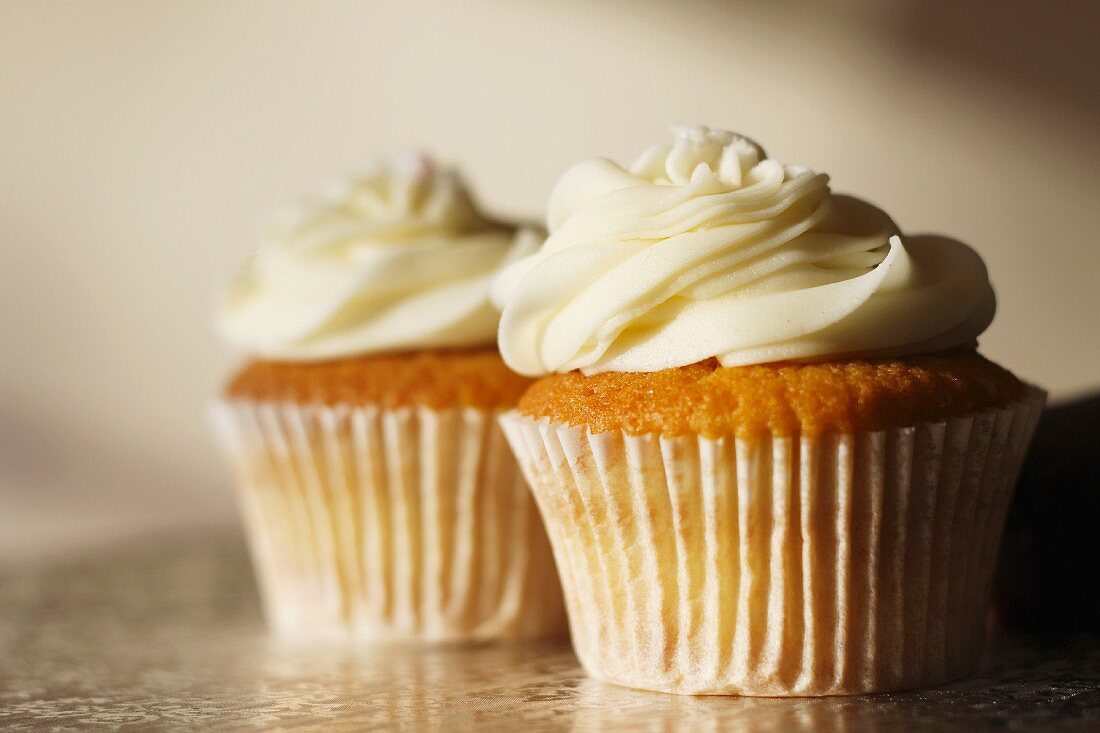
{"x":168,"y":634}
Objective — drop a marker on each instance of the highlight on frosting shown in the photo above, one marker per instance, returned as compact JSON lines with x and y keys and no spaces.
{"x":706,"y":247}
{"x":397,"y":258}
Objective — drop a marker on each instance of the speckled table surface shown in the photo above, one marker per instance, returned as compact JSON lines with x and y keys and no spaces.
{"x":168,"y":635}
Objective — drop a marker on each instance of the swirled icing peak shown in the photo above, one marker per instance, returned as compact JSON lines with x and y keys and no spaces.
{"x":397,"y":258}
{"x":708,"y":248}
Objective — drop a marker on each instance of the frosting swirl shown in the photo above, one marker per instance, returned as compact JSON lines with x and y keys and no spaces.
{"x":708,"y":248}
{"x":397,"y":258}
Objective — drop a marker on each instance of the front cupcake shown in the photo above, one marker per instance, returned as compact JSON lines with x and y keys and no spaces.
{"x":380,"y":499}
{"x":769,"y":459}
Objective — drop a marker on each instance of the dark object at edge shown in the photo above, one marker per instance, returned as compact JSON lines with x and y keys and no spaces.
{"x":1048,"y":576}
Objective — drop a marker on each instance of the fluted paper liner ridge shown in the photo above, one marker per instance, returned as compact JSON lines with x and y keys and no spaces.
{"x":375,"y":524}
{"x":843,"y":564}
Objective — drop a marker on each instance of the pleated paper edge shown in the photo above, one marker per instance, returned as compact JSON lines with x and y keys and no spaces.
{"x":551,"y":457}
{"x":523,"y":595}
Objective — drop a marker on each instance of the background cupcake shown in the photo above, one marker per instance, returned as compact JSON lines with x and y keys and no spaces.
{"x":379,"y":497}
{"x":769,"y":459}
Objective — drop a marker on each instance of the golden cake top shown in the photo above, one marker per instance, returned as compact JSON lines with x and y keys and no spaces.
{"x":781,"y":399}
{"x":435,"y":379}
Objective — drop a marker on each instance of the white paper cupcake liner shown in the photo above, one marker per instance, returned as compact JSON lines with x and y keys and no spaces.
{"x":375,"y":524}
{"x":845,"y":564}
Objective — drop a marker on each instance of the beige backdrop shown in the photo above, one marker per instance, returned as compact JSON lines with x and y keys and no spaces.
{"x":141,"y":143}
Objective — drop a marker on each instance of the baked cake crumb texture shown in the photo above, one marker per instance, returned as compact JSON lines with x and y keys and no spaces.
{"x":437,"y":379}
{"x":781,"y":399}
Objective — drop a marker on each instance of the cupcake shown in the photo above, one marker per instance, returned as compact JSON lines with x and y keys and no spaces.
{"x":768,"y":456}
{"x":380,"y":499}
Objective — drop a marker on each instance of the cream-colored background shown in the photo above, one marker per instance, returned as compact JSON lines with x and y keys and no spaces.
{"x":141,"y":144}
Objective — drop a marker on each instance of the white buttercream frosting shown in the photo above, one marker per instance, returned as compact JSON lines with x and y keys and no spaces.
{"x":398,"y":258}
{"x":708,"y":248}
